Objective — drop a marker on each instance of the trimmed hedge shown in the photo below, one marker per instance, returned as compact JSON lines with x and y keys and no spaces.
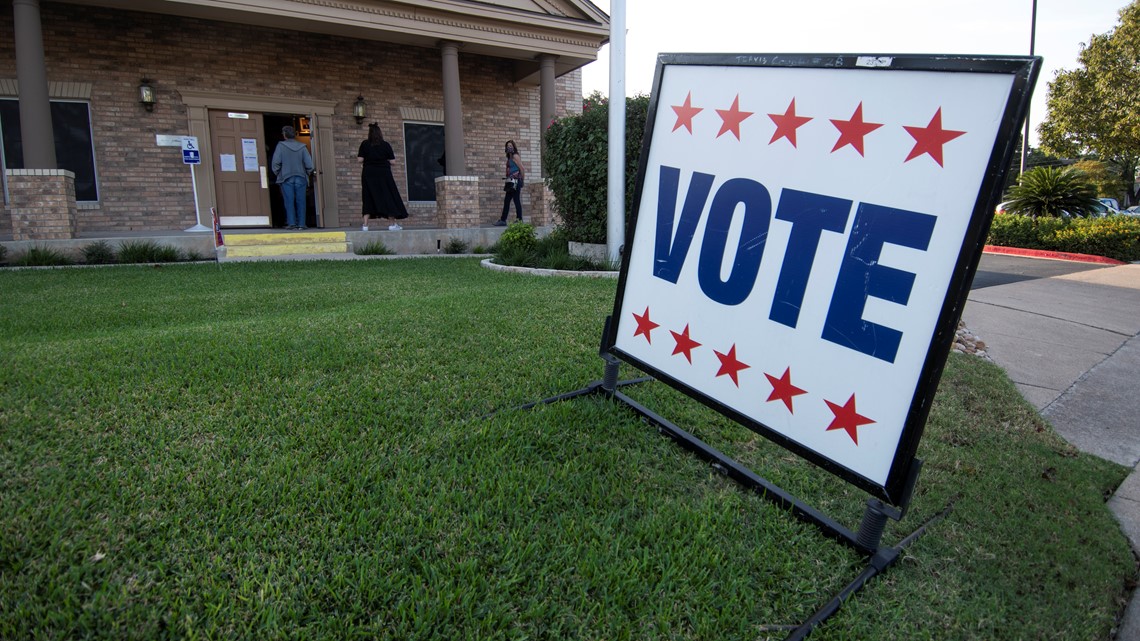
{"x":576,"y":162}
{"x":1115,"y":237}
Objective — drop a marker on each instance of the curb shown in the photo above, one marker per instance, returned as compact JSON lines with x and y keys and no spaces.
{"x":1052,"y":255}
{"x":538,"y":271}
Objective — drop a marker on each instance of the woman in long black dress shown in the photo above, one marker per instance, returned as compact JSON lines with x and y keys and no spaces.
{"x":378,"y":188}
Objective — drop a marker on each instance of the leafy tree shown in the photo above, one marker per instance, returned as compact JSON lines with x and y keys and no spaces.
{"x":1104,"y":178}
{"x":576,"y":162}
{"x":1094,"y":109}
{"x":1035,"y":157}
{"x":1038,"y":157}
{"x":1052,"y":191}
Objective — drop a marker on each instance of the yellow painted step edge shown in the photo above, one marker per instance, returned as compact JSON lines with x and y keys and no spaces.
{"x":287,"y":250}
{"x":285,"y":239}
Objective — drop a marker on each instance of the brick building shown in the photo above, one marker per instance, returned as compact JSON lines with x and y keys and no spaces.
{"x":448,"y":81}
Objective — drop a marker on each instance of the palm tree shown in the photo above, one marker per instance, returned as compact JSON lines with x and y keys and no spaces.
{"x":1052,"y":191}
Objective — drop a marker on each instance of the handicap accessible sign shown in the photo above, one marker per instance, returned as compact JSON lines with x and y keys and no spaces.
{"x":190,"y":153}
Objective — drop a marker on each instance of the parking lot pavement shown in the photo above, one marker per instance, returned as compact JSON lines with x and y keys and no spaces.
{"x":1049,"y":333}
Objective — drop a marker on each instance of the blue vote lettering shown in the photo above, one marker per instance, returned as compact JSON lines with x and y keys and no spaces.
{"x":861,"y":276}
{"x":810,"y":215}
{"x":670,"y":249}
{"x":749,"y":248}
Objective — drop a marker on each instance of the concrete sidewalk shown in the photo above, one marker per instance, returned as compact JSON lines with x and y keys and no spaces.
{"x":1071,"y":344}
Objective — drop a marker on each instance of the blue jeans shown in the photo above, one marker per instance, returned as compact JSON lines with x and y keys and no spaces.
{"x":293,"y":191}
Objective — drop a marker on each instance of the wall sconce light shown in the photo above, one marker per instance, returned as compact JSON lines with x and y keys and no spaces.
{"x":360,"y":109}
{"x":146,"y":95}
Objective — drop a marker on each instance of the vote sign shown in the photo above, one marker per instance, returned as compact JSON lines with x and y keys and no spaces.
{"x":803,"y":237}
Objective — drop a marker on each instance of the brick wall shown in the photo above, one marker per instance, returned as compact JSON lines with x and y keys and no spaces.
{"x":42,"y":204}
{"x":146,"y":187}
{"x":455,"y":196}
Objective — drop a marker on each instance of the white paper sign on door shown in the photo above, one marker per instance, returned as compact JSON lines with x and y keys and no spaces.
{"x":249,"y":154}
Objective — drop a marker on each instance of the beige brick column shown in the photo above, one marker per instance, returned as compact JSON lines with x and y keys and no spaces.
{"x":457,"y":202}
{"x":540,"y":211}
{"x":42,"y":203}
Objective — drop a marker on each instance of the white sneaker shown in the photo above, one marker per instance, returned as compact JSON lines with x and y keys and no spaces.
{"x":394,"y":228}
{"x":364,"y":228}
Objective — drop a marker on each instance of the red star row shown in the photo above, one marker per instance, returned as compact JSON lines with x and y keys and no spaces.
{"x":927,"y":140}
{"x":846,"y":418}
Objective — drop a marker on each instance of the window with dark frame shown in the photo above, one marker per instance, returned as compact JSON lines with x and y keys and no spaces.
{"x":71,"y":124}
{"x":423,"y":155}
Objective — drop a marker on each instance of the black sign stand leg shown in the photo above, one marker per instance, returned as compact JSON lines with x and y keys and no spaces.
{"x":866,"y":541}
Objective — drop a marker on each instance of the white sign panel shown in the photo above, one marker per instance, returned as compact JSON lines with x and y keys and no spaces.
{"x":167,"y":140}
{"x":798,"y":231}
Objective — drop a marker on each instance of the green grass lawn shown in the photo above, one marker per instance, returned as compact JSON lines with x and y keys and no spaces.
{"x":295,"y":451}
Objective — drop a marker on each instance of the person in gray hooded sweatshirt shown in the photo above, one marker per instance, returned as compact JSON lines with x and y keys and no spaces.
{"x":292,"y":165}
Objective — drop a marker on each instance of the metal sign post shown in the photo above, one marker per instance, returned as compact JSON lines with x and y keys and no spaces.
{"x":192,"y":156}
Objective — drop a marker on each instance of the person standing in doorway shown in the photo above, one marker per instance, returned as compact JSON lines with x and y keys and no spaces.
{"x":378,"y":187}
{"x":514,"y":172}
{"x":293,"y":165}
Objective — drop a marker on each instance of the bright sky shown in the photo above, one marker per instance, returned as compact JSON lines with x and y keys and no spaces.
{"x":859,"y":26}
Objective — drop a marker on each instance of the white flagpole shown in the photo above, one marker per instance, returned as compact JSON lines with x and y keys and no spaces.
{"x":615,"y":221}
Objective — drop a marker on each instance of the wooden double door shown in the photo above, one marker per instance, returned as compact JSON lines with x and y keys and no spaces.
{"x":241,"y":168}
{"x":242,"y":144}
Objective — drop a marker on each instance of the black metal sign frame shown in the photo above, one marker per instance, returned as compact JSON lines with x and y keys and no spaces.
{"x":1023,"y":72}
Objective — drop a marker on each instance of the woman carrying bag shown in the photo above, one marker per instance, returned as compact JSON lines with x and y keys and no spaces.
{"x":513,"y":184}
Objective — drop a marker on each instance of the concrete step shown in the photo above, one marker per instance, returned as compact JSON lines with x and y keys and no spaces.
{"x":286,"y":244}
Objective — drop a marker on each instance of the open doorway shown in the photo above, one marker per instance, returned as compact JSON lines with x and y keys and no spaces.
{"x":273,"y":124}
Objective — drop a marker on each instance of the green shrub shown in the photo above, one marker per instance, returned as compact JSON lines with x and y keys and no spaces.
{"x":1052,"y":191}
{"x":455,"y":246}
{"x":147,"y":251}
{"x":39,"y":256}
{"x":549,"y":252}
{"x":576,"y":162}
{"x":553,"y":242}
{"x":98,"y":253}
{"x":1013,"y":230}
{"x":565,"y":262}
{"x":515,"y":255}
{"x":374,"y":248}
{"x":193,"y":256}
{"x":479,"y":249}
{"x":3,"y":254}
{"x":1113,"y":236}
{"x":517,"y":237}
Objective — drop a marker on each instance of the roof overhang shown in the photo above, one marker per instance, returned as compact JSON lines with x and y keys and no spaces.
{"x":570,"y":30}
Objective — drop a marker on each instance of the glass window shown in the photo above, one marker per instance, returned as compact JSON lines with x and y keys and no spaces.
{"x":71,"y":123}
{"x":423,"y":148}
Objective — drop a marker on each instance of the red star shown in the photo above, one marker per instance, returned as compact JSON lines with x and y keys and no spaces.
{"x":929,"y":139}
{"x":732,"y":118}
{"x":787,"y":124}
{"x":783,"y":390}
{"x":846,"y":418}
{"x":851,"y":132}
{"x":644,"y":326}
{"x":685,"y":345}
{"x":685,"y":114}
{"x":729,"y":365}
